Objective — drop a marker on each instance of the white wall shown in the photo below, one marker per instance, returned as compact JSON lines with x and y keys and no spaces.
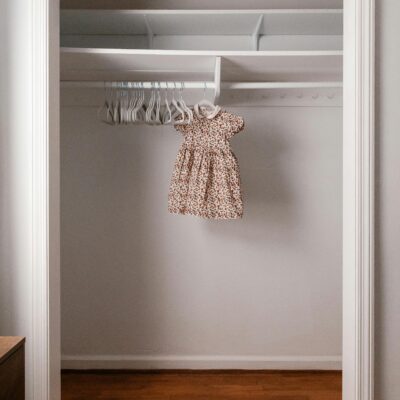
{"x":142,"y":288}
{"x":16,"y":175}
{"x":205,"y":4}
{"x":388,"y":210}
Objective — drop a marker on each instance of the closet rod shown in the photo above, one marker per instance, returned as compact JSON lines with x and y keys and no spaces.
{"x":279,"y":85}
{"x":139,"y":84}
{"x":209,"y":85}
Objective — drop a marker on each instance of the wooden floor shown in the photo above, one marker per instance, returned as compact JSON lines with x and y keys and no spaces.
{"x":201,"y":385}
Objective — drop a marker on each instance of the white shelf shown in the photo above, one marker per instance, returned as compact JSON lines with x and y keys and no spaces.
{"x":78,"y":64}
{"x":202,"y":22}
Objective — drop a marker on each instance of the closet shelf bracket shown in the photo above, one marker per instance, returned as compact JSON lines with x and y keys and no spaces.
{"x":150,"y":34}
{"x":255,"y":37}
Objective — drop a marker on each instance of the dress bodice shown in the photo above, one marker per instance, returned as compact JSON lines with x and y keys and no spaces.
{"x":211,"y":134}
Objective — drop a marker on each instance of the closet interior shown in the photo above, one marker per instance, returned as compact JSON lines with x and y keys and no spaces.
{"x":145,"y":289}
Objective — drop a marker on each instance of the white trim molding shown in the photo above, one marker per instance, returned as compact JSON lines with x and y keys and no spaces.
{"x":126,"y":361}
{"x":40,"y":110}
{"x":45,"y":201}
{"x":358,"y":200}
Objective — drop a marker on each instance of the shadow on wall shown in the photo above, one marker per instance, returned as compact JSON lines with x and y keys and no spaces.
{"x":265,"y":185}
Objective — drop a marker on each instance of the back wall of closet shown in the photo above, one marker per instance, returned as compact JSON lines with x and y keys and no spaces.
{"x":143,"y":288}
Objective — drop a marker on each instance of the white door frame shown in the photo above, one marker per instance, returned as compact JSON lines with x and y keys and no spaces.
{"x":358,"y":200}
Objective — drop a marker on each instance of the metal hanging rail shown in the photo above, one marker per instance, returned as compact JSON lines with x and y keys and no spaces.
{"x":200,"y":85}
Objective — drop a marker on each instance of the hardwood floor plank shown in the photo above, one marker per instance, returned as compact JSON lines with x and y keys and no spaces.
{"x":201,"y":385}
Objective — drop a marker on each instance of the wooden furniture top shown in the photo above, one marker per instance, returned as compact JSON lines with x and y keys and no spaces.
{"x":9,"y":344}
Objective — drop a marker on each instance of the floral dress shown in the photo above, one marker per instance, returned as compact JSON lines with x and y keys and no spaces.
{"x":206,"y":181}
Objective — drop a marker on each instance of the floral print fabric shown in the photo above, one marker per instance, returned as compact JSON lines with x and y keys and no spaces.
{"x":206,"y":181}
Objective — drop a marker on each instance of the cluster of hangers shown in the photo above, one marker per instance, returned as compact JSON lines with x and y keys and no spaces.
{"x":128,"y":103}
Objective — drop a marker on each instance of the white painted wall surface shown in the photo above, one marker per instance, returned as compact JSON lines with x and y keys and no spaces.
{"x":205,"y":4}
{"x":388,"y":212}
{"x":142,"y":288}
{"x":16,"y":176}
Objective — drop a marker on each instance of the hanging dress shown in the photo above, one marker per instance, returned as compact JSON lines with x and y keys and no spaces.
{"x":206,"y":181}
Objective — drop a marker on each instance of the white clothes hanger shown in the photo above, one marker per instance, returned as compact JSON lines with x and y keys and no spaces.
{"x":123,"y":104}
{"x":205,"y":108}
{"x":137,"y":113}
{"x":132,"y":103}
{"x":157,"y":120}
{"x":155,"y":115}
{"x":104,"y":113}
{"x":150,"y":106}
{"x":127,"y":100}
{"x":142,"y":109}
{"x":115,"y":103}
{"x":166,"y":117}
{"x":178,"y":110}
{"x":186,"y":109}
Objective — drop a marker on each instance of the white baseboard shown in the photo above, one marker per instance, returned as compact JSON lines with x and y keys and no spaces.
{"x":201,"y":362}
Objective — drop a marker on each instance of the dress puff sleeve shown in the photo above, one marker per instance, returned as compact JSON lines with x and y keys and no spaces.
{"x":236,"y":124}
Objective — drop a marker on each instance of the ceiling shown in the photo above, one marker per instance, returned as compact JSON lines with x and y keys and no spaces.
{"x":194,"y":4}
